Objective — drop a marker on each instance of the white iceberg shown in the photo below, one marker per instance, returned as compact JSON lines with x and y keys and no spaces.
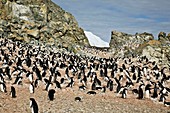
{"x":95,"y":40}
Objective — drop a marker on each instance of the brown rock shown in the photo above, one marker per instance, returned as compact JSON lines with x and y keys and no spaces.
{"x":161,"y":35}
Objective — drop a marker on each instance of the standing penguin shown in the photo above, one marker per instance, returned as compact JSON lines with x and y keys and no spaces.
{"x":31,"y":88}
{"x":33,"y":105}
{"x":140,"y":91}
{"x":51,"y":93}
{"x":162,"y":97}
{"x":36,"y":83}
{"x":124,"y":93}
{"x":13,"y":92}
{"x":147,"y":90}
{"x":3,"y":87}
{"x":155,"y":93}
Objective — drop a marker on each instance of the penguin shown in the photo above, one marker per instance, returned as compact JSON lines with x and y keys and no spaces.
{"x":1,"y":77}
{"x":57,"y":84}
{"x":78,"y":99}
{"x":162,"y":97}
{"x":155,"y":93}
{"x":33,"y":106}
{"x":140,"y":92}
{"x":3,"y":87}
{"x":61,"y":80}
{"x":124,"y":93}
{"x":167,"y":104}
{"x":84,"y":81}
{"x":13,"y":92}
{"x":36,"y":83}
{"x":51,"y":93}
{"x":44,"y":73}
{"x":134,"y":77}
{"x":30,"y":76}
{"x":103,"y":89}
{"x":31,"y":88}
{"x":111,"y":86}
{"x":28,"y":61}
{"x":93,"y":87}
{"x":18,"y":80}
{"x":71,"y":83}
{"x":37,"y":71}
{"x":97,"y":81}
{"x":48,"y":85}
{"x":46,"y":81}
{"x":7,"y":70}
{"x":82,"y":87}
{"x":118,"y":85}
{"x":147,"y":90}
{"x":91,"y":92}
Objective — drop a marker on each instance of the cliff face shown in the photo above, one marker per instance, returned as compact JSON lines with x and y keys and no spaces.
{"x":41,"y":20}
{"x":143,"y":44}
{"x":120,"y":39}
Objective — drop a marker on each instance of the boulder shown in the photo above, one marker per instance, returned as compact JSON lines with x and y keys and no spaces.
{"x":126,"y":44}
{"x":161,"y":35}
{"x":34,"y":33}
{"x":120,"y":39}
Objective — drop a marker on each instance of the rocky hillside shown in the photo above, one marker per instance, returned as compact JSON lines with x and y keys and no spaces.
{"x":41,"y":21}
{"x":143,"y":44}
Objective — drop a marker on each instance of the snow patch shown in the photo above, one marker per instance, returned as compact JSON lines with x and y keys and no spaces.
{"x":95,"y":40}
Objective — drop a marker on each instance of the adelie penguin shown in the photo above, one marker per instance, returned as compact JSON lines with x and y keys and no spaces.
{"x":13,"y":92}
{"x":140,"y":92}
{"x":31,"y":88}
{"x":3,"y":87}
{"x":103,"y":89}
{"x":51,"y":93}
{"x":147,"y":90}
{"x":124,"y":93}
{"x":36,"y":83}
{"x":33,"y":106}
{"x":78,"y":99}
{"x":155,"y":93}
{"x":91,"y":92}
{"x":167,"y":104}
{"x":82,"y":87}
{"x":18,"y":80}
{"x":57,"y":84}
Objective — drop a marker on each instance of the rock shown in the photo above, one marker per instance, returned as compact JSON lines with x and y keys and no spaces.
{"x":123,"y":44}
{"x":143,"y":44}
{"x":168,"y":36}
{"x":161,"y":35}
{"x":41,"y":20}
{"x":157,"y":54}
{"x":34,"y":33}
{"x":119,"y":39}
{"x":165,"y":40}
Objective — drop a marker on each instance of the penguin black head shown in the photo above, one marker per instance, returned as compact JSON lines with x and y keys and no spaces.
{"x":51,"y":93}
{"x":33,"y":105}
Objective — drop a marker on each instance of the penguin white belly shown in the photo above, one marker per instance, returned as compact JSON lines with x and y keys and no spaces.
{"x":31,"y":106}
{"x":30,"y":77}
{"x":147,"y":93}
{"x":31,"y":88}
{"x":2,"y":88}
{"x":49,"y":87}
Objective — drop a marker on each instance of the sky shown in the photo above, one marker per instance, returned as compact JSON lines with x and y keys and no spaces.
{"x":130,"y":16}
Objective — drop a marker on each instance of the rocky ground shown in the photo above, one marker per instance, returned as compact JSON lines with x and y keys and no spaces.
{"x":64,"y":102}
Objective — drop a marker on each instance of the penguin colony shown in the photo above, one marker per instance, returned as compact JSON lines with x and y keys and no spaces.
{"x":93,"y":75}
